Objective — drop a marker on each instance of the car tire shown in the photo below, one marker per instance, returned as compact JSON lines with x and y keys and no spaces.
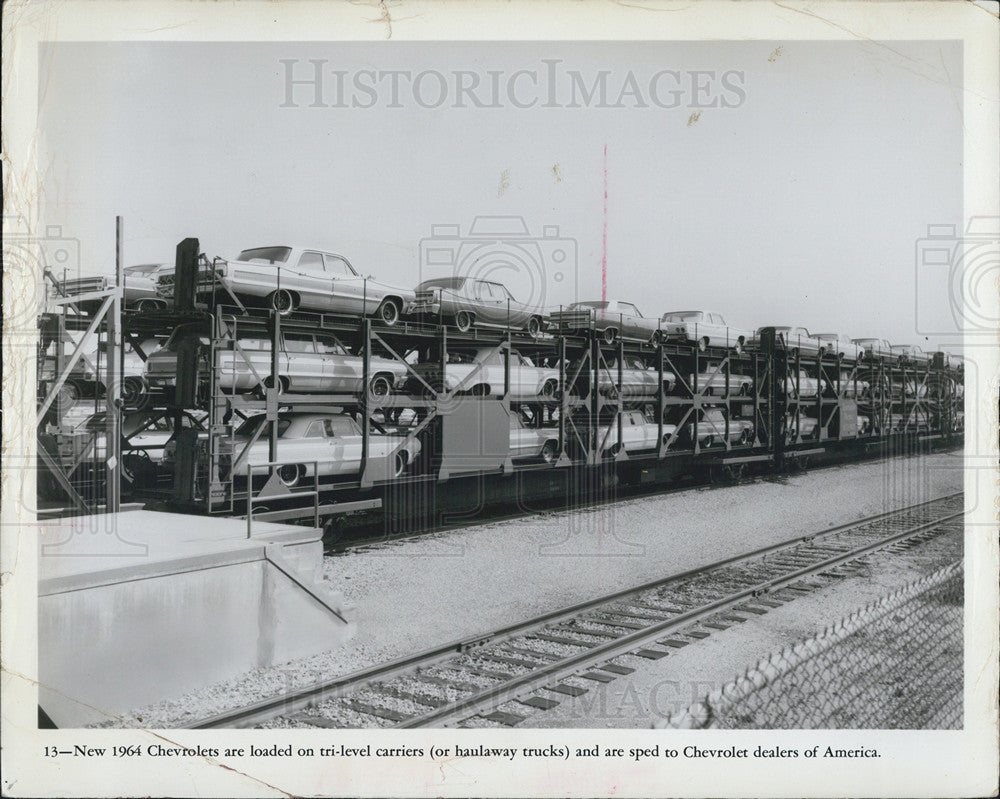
{"x":745,"y":437}
{"x":707,"y":442}
{"x":534,"y":327}
{"x":399,"y":461}
{"x":282,"y":301}
{"x":464,"y":321}
{"x":379,"y":388}
{"x":261,"y":390}
{"x":744,"y":389}
{"x":549,"y":388}
{"x":654,"y":340}
{"x":145,"y":306}
{"x":703,"y":344}
{"x":291,"y":474}
{"x":480,"y":390}
{"x":550,"y":451}
{"x":610,"y":335}
{"x":388,"y":313}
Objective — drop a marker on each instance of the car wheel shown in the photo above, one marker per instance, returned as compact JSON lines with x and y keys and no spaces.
{"x":610,"y":334}
{"x":480,"y":390}
{"x":549,"y":452}
{"x":744,"y":389}
{"x":399,"y":463}
{"x":388,"y":313}
{"x":379,"y":387}
{"x":745,"y":437}
{"x":463,"y":321}
{"x":291,"y":473}
{"x":709,"y":391}
{"x":655,"y":339}
{"x":261,"y":390}
{"x":134,"y":392}
{"x":282,"y":301}
{"x":794,"y":352}
{"x":534,"y":327}
{"x":703,"y":344}
{"x":549,"y":388}
{"x":145,"y":306}
{"x":707,"y":441}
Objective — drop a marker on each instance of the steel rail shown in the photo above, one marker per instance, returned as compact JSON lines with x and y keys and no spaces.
{"x":303,"y":697}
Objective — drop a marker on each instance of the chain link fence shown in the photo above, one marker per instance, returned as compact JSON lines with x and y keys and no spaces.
{"x":894,"y":664}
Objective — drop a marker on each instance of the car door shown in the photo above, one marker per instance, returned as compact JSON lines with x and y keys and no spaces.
{"x":308,"y":279}
{"x":351,"y":293}
{"x":632,"y":321}
{"x":490,"y":305}
{"x":344,"y":444}
{"x":340,"y":372}
{"x":302,"y":365}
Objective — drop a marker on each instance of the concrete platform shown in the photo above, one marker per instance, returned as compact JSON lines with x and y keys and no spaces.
{"x":139,"y":607}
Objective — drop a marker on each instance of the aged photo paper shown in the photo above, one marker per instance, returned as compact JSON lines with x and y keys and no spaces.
{"x":338,"y":339}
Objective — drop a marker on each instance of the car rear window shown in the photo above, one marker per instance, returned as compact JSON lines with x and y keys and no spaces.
{"x":265,"y":255}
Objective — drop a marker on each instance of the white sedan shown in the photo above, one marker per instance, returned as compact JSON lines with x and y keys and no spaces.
{"x":287,"y":278}
{"x":312,"y":443}
{"x":794,"y":340}
{"x":707,"y":328}
{"x":482,"y":373}
{"x":638,"y":434}
{"x":839,"y":344}
{"x":307,"y":362}
{"x":528,"y":441}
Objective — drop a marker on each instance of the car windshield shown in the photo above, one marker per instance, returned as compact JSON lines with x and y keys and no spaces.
{"x":265,"y":255}
{"x":453,"y":283}
{"x":681,"y":316}
{"x":249,"y":427}
{"x":601,"y":306}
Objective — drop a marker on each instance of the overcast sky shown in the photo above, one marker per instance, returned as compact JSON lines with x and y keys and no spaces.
{"x":776,"y":186}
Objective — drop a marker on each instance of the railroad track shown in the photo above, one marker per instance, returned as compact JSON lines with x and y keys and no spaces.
{"x":542,"y":660}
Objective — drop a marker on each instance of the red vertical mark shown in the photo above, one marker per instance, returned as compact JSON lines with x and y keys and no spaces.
{"x":604,"y":237}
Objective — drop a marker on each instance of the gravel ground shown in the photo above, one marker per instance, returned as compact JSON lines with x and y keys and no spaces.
{"x":657,"y":689}
{"x":416,"y":593}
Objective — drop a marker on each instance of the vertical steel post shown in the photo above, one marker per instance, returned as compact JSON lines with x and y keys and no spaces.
{"x":275,"y":388}
{"x":112,"y":391}
{"x":366,"y":370}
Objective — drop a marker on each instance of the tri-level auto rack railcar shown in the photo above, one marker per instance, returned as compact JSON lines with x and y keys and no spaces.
{"x":718,"y":412}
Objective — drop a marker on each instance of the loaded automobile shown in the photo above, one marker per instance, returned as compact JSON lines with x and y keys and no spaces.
{"x":611,"y":319}
{"x":794,"y":340}
{"x":850,"y":386}
{"x":712,"y":382}
{"x":707,"y":328}
{"x":910,"y":354}
{"x":139,"y":286}
{"x":840,"y":345}
{"x":800,"y":385}
{"x":874,"y":347}
{"x":466,"y":302}
{"x":637,"y":380}
{"x":290,"y":278}
{"x":711,"y":430}
{"x":528,"y":441}
{"x":639,"y":434}
{"x":799,"y":425}
{"x":311,"y":444}
{"x":307,"y":363}
{"x":483,"y":372}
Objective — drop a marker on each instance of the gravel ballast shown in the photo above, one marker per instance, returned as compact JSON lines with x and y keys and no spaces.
{"x":416,"y":593}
